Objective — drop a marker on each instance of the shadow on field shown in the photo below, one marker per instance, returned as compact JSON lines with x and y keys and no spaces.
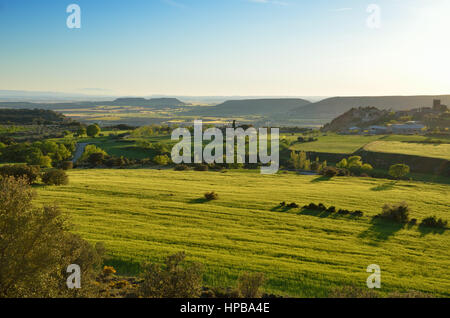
{"x":198,"y":201}
{"x":381,"y":230}
{"x":385,"y":186}
{"x":281,"y":208}
{"x":321,"y":179}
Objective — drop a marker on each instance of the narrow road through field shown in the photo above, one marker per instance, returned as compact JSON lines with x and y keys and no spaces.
{"x":79,"y":151}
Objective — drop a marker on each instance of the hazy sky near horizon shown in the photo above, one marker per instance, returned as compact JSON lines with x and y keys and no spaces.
{"x":226,"y":47}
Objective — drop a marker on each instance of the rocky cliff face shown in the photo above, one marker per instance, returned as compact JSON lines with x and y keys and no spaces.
{"x":357,"y":117}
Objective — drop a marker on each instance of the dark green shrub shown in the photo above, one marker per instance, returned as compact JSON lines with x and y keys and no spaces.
{"x":330,"y":172}
{"x":249,"y":284}
{"x":357,"y":213}
{"x":331,"y":209}
{"x":96,"y":159}
{"x":343,"y":172}
{"x":175,"y":279}
{"x":398,"y":212}
{"x":343,"y":212}
{"x":181,"y":167}
{"x":434,"y":222}
{"x":55,"y":177}
{"x":210,"y":196}
{"x":201,"y":167}
{"x":293,"y":205}
{"x":67,"y":165}
{"x":30,"y":173}
{"x":311,"y":206}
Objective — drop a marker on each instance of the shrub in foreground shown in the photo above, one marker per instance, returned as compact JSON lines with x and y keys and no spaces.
{"x":249,"y":284}
{"x":55,"y":177}
{"x":30,"y":173}
{"x":36,"y":248}
{"x":174,"y":279}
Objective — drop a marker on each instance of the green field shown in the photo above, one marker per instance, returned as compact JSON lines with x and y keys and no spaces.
{"x":345,"y":144}
{"x":411,"y":148}
{"x":148,"y":214}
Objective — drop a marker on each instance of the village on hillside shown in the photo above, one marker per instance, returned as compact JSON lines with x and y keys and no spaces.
{"x":372,"y":121}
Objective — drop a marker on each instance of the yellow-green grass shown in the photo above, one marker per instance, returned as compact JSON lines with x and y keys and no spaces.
{"x":411,"y":148}
{"x":345,"y":144}
{"x":145,"y":215}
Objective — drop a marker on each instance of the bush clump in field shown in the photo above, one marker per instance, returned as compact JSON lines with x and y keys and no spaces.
{"x":249,"y":284}
{"x":55,"y":177}
{"x":30,"y":173}
{"x":321,"y":207}
{"x":397,"y":212}
{"x":434,"y":222}
{"x":181,"y":167}
{"x":174,"y":279}
{"x":97,"y":159}
{"x":201,"y":167}
{"x":330,"y":172}
{"x":357,"y":213}
{"x":210,"y":196}
{"x":343,"y":212}
{"x":67,"y":165}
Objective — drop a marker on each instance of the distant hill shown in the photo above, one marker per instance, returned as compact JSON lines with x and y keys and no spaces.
{"x":332,"y":107}
{"x":139,"y":102}
{"x":252,"y":107}
{"x":31,"y":116}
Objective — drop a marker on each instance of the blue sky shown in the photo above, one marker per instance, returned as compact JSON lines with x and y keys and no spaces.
{"x":226,"y":47}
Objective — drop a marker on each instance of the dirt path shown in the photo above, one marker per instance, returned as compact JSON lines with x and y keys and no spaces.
{"x":79,"y":151}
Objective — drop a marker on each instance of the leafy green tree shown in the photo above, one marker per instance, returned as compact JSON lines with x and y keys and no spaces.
{"x":399,"y":170}
{"x":342,"y":164}
{"x":96,"y":159}
{"x":93,"y":130}
{"x":81,"y":132}
{"x":162,"y":160}
{"x":89,"y":150}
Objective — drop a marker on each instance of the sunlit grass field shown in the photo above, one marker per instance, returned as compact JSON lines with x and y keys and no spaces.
{"x":408,"y":148}
{"x":144,"y":215}
{"x":332,"y":143}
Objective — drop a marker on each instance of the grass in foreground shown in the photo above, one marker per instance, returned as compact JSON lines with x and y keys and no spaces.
{"x":148,"y":214}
